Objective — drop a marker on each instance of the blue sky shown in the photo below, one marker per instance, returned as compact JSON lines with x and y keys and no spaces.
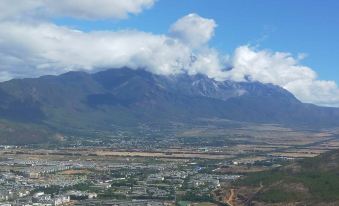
{"x":295,"y":26}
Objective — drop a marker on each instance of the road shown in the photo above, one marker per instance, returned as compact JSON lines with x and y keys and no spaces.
{"x":231,"y":199}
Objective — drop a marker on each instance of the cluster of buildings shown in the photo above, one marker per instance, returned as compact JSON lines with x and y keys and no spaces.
{"x":41,"y":198}
{"x":124,"y":181}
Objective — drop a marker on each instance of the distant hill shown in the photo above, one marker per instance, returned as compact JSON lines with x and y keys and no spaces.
{"x":78,"y":101}
{"x":313,"y":181}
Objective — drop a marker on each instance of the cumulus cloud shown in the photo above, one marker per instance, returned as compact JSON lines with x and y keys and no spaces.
{"x":82,"y":9}
{"x":193,"y":30}
{"x":94,"y":9}
{"x":11,"y":9}
{"x":45,"y":48}
{"x":284,"y":70}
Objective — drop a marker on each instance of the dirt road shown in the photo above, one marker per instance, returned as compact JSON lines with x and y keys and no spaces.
{"x":230,"y":200}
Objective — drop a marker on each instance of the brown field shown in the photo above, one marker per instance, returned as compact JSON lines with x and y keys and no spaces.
{"x":308,"y":151}
{"x":293,"y":154}
{"x":250,"y":159}
{"x":203,"y":204}
{"x":241,"y":169}
{"x":162,"y":155}
{"x":74,"y":172}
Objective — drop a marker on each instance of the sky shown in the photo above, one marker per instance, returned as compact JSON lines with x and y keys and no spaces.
{"x":293,"y":44}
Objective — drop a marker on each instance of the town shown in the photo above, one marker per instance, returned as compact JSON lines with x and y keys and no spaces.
{"x":122,"y":170}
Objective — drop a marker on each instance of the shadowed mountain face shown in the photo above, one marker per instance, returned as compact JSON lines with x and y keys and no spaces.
{"x":125,"y":97}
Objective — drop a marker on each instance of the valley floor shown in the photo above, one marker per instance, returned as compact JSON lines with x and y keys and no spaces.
{"x":200,"y":166}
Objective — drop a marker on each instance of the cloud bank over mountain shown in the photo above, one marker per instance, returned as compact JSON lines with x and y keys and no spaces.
{"x":32,"y":45}
{"x":284,"y":70}
{"x":45,"y":48}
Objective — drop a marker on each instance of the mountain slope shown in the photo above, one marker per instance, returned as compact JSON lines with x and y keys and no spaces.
{"x":313,"y":181}
{"x":124,"y":97}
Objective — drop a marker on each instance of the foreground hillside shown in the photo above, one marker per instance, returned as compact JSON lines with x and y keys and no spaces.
{"x":313,"y":181}
{"x":124,"y":99}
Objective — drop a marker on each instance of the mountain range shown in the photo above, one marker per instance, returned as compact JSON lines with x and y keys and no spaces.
{"x":127,"y":98}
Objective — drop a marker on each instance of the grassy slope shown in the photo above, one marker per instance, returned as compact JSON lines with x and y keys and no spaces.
{"x":311,"y":181}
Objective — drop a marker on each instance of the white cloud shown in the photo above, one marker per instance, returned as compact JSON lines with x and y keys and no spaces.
{"x":5,"y":76}
{"x":193,"y":30}
{"x":98,"y":9}
{"x":284,"y":70}
{"x":268,"y":67}
{"x":44,"y":48}
{"x":82,"y":9}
